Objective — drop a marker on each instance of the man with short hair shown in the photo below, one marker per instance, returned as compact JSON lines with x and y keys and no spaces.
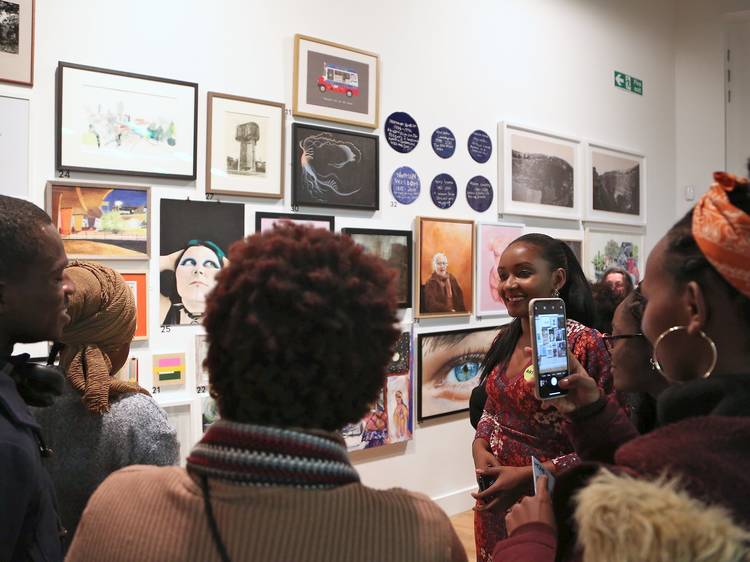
{"x":33,"y":299}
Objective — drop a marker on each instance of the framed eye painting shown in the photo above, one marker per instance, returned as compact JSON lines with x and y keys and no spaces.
{"x":393,"y":246}
{"x":448,"y":369}
{"x":616,"y":186}
{"x":265,"y":221}
{"x":334,"y":82}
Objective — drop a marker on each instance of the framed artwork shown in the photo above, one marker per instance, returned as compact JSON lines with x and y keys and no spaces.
{"x":14,"y":144}
{"x":138,"y":283}
{"x":114,"y":122}
{"x":169,"y":369}
{"x":334,"y":82}
{"x":449,"y":369}
{"x":100,"y":220}
{"x":244,"y":146}
{"x":17,"y":41}
{"x":195,"y":237}
{"x":390,"y":418}
{"x":611,"y":246}
{"x":445,"y":267}
{"x":492,"y":239}
{"x":129,"y":371}
{"x":540,"y":172}
{"x":201,"y":351}
{"x":616,"y":186}
{"x":334,"y":168}
{"x":180,"y":418}
{"x":573,"y":237}
{"x":209,"y":412}
{"x":393,"y":246}
{"x":265,"y":221}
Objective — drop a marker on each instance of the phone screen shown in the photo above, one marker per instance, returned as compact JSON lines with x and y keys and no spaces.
{"x":550,"y":346}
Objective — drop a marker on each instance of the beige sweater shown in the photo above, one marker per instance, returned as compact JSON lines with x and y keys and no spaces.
{"x":147,"y":514}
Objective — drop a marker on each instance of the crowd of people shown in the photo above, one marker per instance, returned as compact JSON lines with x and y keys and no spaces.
{"x":647,"y":448}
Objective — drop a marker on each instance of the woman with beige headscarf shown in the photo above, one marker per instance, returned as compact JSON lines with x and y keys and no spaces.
{"x":100,"y":424}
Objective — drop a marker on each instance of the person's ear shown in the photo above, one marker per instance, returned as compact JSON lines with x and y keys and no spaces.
{"x":559,"y":277}
{"x":697,"y":307}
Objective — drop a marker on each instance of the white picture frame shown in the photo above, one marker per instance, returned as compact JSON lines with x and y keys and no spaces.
{"x":596,"y":239}
{"x":526,"y":192}
{"x":602,"y":197}
{"x":491,"y":238}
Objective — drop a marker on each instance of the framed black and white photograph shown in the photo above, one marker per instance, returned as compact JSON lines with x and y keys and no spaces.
{"x":265,"y":221}
{"x":541,"y":173}
{"x":616,"y":186}
{"x":114,"y":122}
{"x":17,"y":41}
{"x":393,"y":246}
{"x":334,"y":168}
{"x":244,"y":146}
{"x":14,"y":146}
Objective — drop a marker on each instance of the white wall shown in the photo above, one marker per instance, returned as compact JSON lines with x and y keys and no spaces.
{"x":463,"y":65}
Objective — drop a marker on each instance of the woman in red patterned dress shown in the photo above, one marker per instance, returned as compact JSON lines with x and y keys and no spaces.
{"x":515,"y":425}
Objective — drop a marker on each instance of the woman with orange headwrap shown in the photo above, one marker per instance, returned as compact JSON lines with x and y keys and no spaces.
{"x":690,"y":498}
{"x":99,"y":424}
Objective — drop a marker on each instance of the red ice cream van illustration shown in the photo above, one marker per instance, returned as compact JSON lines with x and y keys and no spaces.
{"x":339,"y":80}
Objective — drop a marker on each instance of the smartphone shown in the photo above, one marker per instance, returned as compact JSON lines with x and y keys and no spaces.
{"x":484,"y":482}
{"x":537,"y":468}
{"x":549,"y":342}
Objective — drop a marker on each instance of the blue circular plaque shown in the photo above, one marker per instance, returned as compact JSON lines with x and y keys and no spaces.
{"x":401,"y":132}
{"x":405,"y":185}
{"x":443,"y":142}
{"x":480,"y":146}
{"x":443,"y":191}
{"x":479,"y":193}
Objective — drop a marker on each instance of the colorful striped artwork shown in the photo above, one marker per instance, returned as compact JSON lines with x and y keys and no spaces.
{"x":169,"y":369}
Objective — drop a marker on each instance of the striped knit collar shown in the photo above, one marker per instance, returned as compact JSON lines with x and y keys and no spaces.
{"x":269,"y":456}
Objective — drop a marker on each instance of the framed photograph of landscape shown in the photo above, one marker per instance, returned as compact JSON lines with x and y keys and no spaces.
{"x":445,"y":267}
{"x":334,"y":168}
{"x":540,"y":173}
{"x":616,"y":185}
{"x":244,"y":147}
{"x":448,"y":369}
{"x":138,"y":283}
{"x":492,"y":239}
{"x":17,"y":41}
{"x":265,"y":221}
{"x":394,"y":247}
{"x":101,"y":221}
{"x":612,"y":246}
{"x":334,"y":82}
{"x":114,"y":122}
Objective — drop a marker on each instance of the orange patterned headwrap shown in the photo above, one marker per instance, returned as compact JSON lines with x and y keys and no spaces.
{"x":722,"y":232}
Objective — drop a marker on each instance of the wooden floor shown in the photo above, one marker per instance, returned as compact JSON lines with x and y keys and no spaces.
{"x":463,"y":523}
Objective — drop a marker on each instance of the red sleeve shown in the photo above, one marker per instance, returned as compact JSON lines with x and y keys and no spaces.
{"x":596,"y":431}
{"x":589,"y":348}
{"x":533,"y":542}
{"x":487,"y":422}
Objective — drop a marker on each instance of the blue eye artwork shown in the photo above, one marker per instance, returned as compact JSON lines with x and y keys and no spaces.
{"x":464,"y":372}
{"x":459,"y":369}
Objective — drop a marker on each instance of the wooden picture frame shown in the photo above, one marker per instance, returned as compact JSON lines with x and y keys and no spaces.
{"x":138,"y":282}
{"x":334,"y":82}
{"x":17,"y":42}
{"x":264,"y":220}
{"x":250,"y":160}
{"x":137,"y":129}
{"x":101,"y":221}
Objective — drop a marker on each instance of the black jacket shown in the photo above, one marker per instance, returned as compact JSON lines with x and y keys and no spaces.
{"x":29,"y":524}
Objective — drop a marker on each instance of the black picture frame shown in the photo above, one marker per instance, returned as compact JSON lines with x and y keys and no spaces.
{"x":294,"y":217}
{"x":331,"y":186}
{"x":405,"y":284}
{"x":60,"y":107}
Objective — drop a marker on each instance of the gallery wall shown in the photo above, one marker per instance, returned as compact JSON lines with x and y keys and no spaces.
{"x":540,"y":63}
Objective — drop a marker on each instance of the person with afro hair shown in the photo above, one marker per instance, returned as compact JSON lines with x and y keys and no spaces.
{"x":301,"y":326}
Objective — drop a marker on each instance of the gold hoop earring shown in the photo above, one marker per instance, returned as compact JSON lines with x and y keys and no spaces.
{"x":701,"y":333}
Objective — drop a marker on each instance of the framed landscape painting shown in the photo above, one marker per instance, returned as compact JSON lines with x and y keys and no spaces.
{"x":245,"y":146}
{"x":540,"y":172}
{"x":17,"y":41}
{"x":334,"y":82}
{"x":101,"y":221}
{"x":334,"y":168}
{"x":610,"y":246}
{"x":265,"y":221}
{"x":115,"y":122}
{"x":616,"y":186}
{"x":492,"y":239}
{"x":394,"y":247}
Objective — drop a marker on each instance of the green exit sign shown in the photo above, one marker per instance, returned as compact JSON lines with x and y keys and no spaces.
{"x":629,"y":83}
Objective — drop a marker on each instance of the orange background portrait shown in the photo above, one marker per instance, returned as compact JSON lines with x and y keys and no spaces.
{"x":455,"y":240}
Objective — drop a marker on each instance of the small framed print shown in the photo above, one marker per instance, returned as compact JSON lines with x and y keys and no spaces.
{"x":394,"y":247}
{"x":114,"y":122}
{"x":334,"y":82}
{"x":492,"y":239}
{"x":169,"y":369}
{"x":101,"y":220}
{"x":138,"y":283}
{"x":17,"y":41}
{"x":613,"y":246}
{"x":201,"y":351}
{"x":540,"y":173}
{"x":616,"y":186}
{"x":245,"y":146}
{"x":445,"y":267}
{"x":334,"y":168}
{"x":265,"y":221}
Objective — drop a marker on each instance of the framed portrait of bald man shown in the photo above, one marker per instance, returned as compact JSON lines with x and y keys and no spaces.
{"x":445,"y":267}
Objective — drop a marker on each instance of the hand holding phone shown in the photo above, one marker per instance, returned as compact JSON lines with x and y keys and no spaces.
{"x":485,"y":482}
{"x":549,"y":345}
